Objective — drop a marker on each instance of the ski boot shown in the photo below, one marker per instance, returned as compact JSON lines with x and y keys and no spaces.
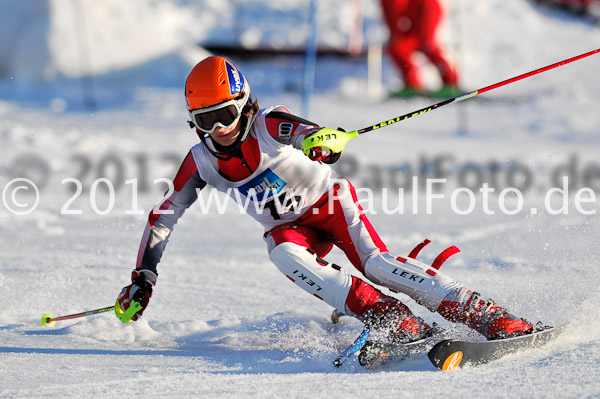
{"x":394,"y":320}
{"x":396,"y":334}
{"x":485,"y":317}
{"x":504,"y":325}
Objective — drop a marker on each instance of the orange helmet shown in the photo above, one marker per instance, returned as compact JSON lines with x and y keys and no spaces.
{"x":217,"y":94}
{"x":215,"y":80}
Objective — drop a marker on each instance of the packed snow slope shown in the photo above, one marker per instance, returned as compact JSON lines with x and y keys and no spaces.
{"x":223,"y":321}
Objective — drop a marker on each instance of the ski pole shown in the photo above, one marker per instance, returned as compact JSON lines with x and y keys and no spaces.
{"x":49,"y":320}
{"x":124,"y":316}
{"x":336,"y":140}
{"x":355,"y":347}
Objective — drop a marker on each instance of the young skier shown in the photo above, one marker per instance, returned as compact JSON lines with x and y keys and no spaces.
{"x":253,"y":154}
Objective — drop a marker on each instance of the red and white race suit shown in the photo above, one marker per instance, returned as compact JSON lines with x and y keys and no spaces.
{"x":306,"y":209}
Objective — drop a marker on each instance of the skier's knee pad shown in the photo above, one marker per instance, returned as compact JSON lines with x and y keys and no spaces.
{"x":325,"y":281}
{"x":410,"y":276}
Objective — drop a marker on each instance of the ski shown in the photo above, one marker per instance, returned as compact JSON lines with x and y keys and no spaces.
{"x":454,"y":354}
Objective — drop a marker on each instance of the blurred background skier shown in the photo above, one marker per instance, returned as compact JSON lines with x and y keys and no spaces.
{"x":413,"y":26}
{"x":254,"y":155}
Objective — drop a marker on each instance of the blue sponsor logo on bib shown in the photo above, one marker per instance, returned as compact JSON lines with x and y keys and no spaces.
{"x":267,"y":183}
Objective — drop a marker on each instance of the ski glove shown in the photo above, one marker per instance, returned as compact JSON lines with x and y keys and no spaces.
{"x":140,"y":290}
{"x":323,"y":154}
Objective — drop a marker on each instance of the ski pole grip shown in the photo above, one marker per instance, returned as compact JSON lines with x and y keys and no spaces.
{"x":126,"y":315}
{"x":333,"y":139}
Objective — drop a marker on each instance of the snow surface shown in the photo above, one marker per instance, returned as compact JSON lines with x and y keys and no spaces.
{"x":223,"y":321}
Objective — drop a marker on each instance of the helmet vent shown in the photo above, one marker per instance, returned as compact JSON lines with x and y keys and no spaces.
{"x":221,"y":78}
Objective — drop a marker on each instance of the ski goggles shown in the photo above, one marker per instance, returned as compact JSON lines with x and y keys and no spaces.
{"x":224,"y":115}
